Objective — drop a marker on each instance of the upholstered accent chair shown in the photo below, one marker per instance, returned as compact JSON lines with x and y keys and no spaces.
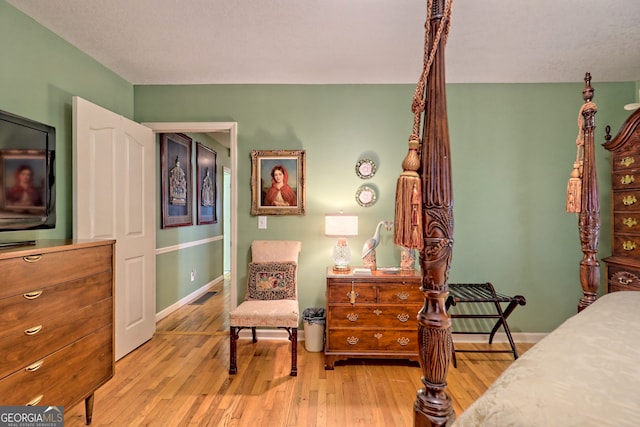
{"x":271,"y":300}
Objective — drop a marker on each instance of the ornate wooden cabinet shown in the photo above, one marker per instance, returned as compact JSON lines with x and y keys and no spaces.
{"x":623,"y":266}
{"x":372,"y":316}
{"x":56,"y":323}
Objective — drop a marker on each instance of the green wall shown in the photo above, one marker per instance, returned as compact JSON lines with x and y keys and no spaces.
{"x":512,"y":150}
{"x":513,"y":146}
{"x":39,"y":74}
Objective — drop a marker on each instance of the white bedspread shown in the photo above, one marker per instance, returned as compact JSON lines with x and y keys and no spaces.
{"x":584,"y":373}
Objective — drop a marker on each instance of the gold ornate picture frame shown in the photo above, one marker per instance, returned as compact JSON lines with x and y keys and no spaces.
{"x":278,"y":182}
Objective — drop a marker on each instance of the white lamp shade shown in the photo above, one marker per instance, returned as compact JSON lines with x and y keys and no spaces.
{"x":340,"y":225}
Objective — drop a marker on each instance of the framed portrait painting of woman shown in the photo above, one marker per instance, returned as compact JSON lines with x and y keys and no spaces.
{"x":277,"y":182}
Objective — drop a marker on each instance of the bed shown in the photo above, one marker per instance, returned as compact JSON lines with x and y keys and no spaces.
{"x":586,"y":372}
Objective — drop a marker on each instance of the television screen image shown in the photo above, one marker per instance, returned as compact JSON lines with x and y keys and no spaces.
{"x":24,"y":177}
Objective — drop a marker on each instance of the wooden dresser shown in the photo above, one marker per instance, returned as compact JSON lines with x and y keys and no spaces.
{"x":56,"y":322}
{"x":372,"y":316}
{"x":623,"y":266}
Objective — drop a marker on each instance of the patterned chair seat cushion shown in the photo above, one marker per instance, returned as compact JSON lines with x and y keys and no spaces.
{"x":275,"y":313}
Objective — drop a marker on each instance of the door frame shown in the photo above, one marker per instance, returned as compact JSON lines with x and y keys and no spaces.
{"x":226,"y":134}
{"x":226,"y":224}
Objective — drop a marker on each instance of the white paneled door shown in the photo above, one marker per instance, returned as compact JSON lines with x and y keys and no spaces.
{"x":114,"y":197}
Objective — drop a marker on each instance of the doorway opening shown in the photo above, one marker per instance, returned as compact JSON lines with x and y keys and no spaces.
{"x":227,"y":134}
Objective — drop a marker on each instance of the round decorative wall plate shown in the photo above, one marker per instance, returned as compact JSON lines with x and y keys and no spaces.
{"x":365,"y":168}
{"x":366,"y":196}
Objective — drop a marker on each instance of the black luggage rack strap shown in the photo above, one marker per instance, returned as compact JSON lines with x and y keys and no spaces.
{"x":484,"y":293}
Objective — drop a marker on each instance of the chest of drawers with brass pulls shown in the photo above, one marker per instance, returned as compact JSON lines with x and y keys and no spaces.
{"x":56,"y":322}
{"x":623,"y":266}
{"x":372,"y":316}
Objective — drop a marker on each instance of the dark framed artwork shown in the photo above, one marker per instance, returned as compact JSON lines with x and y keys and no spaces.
{"x":176,"y":176}
{"x":278,"y":182}
{"x":206,"y":175}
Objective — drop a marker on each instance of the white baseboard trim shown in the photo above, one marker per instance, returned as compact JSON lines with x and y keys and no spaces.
{"x":500,"y":337}
{"x":186,"y":300}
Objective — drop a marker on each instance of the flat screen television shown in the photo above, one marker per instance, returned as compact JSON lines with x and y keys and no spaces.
{"x":27,"y":174}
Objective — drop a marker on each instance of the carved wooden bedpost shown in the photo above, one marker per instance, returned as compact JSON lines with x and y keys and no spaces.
{"x":589,"y":217}
{"x":433,"y":405}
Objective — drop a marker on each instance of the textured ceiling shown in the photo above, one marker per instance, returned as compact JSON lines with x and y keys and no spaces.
{"x":347,"y":41}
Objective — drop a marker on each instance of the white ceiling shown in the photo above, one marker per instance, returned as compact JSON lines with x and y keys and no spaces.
{"x":347,"y":41}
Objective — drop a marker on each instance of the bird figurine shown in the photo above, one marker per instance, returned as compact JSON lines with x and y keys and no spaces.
{"x":369,"y":248}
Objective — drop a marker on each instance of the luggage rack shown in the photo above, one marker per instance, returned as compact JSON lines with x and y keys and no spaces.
{"x":484,"y":293}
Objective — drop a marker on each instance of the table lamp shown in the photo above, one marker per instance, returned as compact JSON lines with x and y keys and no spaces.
{"x":341,"y":226}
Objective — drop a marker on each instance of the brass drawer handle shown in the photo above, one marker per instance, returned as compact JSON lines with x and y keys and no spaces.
{"x":35,"y":401}
{"x":35,"y":366}
{"x":352,"y":317}
{"x":352,"y":295}
{"x":32,"y":295}
{"x":403,"y":341}
{"x":352,"y":340}
{"x":630,"y":222}
{"x":626,"y":161}
{"x":33,"y":331}
{"x":624,"y":280}
{"x":32,"y":258}
{"x":628,"y":245}
{"x":403,"y":317}
{"x":627,"y":179}
{"x":403,"y":295}
{"x":629,"y":200}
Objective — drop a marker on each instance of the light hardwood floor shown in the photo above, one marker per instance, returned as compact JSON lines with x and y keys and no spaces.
{"x":180,"y":378}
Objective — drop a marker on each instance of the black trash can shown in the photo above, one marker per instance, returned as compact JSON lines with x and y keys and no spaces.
{"x":314,"y":321}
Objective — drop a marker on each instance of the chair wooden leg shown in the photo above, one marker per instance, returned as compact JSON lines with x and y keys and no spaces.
{"x":233,"y":337}
{"x":293,"y":336}
{"x":253,"y":335}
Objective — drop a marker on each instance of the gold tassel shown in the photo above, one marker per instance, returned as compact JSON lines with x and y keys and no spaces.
{"x":574,"y":186}
{"x":408,"y":215}
{"x":574,"y":189}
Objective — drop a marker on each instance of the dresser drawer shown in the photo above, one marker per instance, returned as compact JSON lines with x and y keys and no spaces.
{"x":626,"y":201}
{"x":64,"y":377}
{"x":627,"y":223}
{"x":31,"y":308}
{"x":39,"y":339}
{"x":400,"y":294}
{"x":622,"y":278}
{"x":376,"y":316}
{"x":625,"y":245}
{"x":371,"y":340}
{"x":626,"y":179}
{"x":52,"y":268}
{"x":340,"y":293}
{"x":626,"y":158}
